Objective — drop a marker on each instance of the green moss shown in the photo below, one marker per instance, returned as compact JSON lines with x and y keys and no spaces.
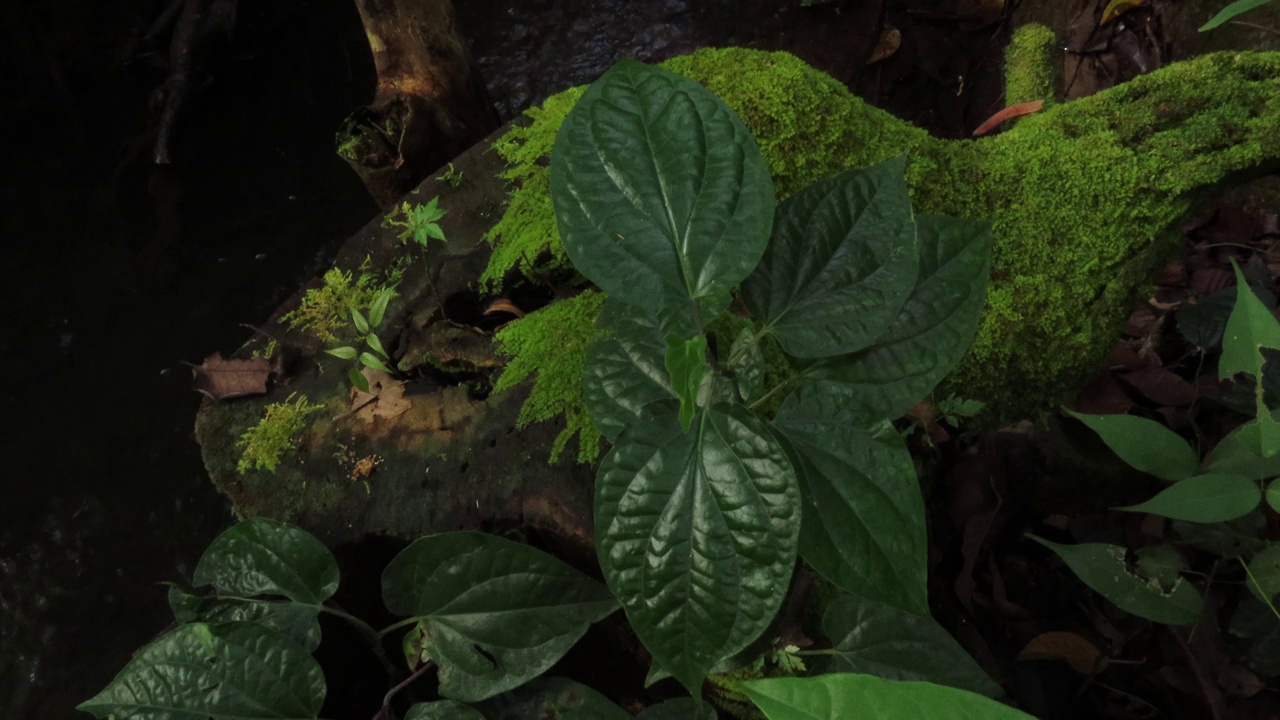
{"x":325,"y":311}
{"x":1031,"y":65}
{"x":551,"y":344}
{"x":265,"y":442}
{"x":1081,"y":197}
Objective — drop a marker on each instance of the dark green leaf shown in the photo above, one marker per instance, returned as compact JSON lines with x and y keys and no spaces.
{"x":443,"y":710}
{"x":842,"y":262}
{"x":626,"y":365}
{"x":1273,"y":495}
{"x":1204,"y":322}
{"x":686,"y":362}
{"x":260,"y":556}
{"x":933,"y":329}
{"x":1162,"y":563}
{"x":552,"y":698}
{"x":379,"y":306}
{"x":1257,"y":622}
{"x":346,"y":353}
{"x":864,"y":518}
{"x":746,"y":360}
{"x":371,"y":360}
{"x":678,"y":709}
{"x":1204,"y":498}
{"x":1264,"y":572}
{"x":1103,"y":568}
{"x":1237,"y":537}
{"x":235,"y":670}
{"x":1239,"y":453}
{"x":362,"y":325}
{"x":1232,"y":10}
{"x":358,"y":380}
{"x":295,"y":621}
{"x":1251,"y":328}
{"x":661,"y":194}
{"x":881,"y":640}
{"x":696,"y":533}
{"x":495,"y":613}
{"x":864,"y":697}
{"x":1144,"y":445}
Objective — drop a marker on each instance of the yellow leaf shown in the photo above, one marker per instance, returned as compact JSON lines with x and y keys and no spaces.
{"x":1116,"y":8}
{"x":1079,"y":653}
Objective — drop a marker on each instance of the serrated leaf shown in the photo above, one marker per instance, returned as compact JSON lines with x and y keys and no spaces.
{"x":495,"y":613}
{"x":375,"y":344}
{"x":686,"y":363}
{"x":661,"y":194}
{"x":626,"y":365}
{"x":696,"y":533}
{"x":1264,"y":572}
{"x":371,"y":360}
{"x":443,"y":710}
{"x":362,"y":325}
{"x":1204,"y":499}
{"x":1251,"y":328}
{"x":234,"y":670}
{"x":1103,"y":568}
{"x":296,"y":621}
{"x":877,"y":639}
{"x":864,"y":517}
{"x":1144,"y":445}
{"x":1231,"y":11}
{"x":260,"y":556}
{"x":932,"y":331}
{"x":746,"y":360}
{"x":552,"y":697}
{"x":1239,"y":453}
{"x":379,"y":307}
{"x":842,"y":262}
{"x":346,"y":353}
{"x":870,"y":698}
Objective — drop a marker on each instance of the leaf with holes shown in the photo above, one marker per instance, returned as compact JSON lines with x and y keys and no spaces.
{"x":870,"y":698}
{"x":1251,"y":328}
{"x":660,"y":192}
{"x":494,"y":613}
{"x":696,"y":533}
{"x":1209,"y":498}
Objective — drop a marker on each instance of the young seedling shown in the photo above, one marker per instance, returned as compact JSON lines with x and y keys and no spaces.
{"x":378,"y":359}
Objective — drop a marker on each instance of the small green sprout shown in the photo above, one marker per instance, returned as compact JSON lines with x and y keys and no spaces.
{"x":265,"y":442}
{"x":451,"y":176}
{"x":366,"y":327}
{"x":418,"y":222}
{"x":954,"y":409}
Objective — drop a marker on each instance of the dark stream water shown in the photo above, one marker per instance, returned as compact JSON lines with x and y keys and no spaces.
{"x":117,"y":271}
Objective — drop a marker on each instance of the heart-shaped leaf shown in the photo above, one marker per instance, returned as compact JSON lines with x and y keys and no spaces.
{"x":661,"y":194}
{"x":864,"y":518}
{"x":932,"y":331}
{"x":295,"y":621}
{"x":235,"y":670}
{"x":842,"y":262}
{"x":1204,"y":499}
{"x":881,"y":640}
{"x":870,"y":698}
{"x":494,"y":613}
{"x":1103,"y":568}
{"x":552,"y":697}
{"x":696,"y":533}
{"x":1145,"y":445}
{"x":260,"y":556}
{"x":443,"y":710}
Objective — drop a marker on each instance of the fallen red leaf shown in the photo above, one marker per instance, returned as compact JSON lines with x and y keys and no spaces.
{"x":1012,"y":111}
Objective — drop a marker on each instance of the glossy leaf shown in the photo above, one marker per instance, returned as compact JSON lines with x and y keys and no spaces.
{"x":296,"y":621}
{"x":870,"y":698}
{"x":1239,"y":453}
{"x":1231,"y":11}
{"x":1144,"y":445}
{"x":686,"y":362}
{"x":494,"y":613}
{"x":626,"y":365}
{"x":864,"y":517}
{"x":696,"y":533}
{"x":260,"y":556}
{"x":660,"y":192}
{"x":346,"y":353}
{"x":379,"y":307}
{"x":1251,"y":328}
{"x":746,"y":360}
{"x":877,"y":639}
{"x":1204,"y":498}
{"x":932,"y":331}
{"x":371,"y":360}
{"x":552,"y":697}
{"x":678,"y":709}
{"x":1103,"y":568}
{"x":443,"y":710}
{"x":842,"y":262}
{"x":234,"y":670}
{"x":375,"y":344}
{"x":362,"y":325}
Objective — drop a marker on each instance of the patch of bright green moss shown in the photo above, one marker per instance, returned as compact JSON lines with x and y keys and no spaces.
{"x":1031,"y":65}
{"x":265,"y":442}
{"x":325,"y":311}
{"x":1080,"y":195}
{"x":551,"y":345}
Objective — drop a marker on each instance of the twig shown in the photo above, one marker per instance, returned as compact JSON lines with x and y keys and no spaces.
{"x":384,"y":713}
{"x":1212,"y":697}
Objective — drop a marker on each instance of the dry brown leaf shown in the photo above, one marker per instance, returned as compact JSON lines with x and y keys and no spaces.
{"x":503,"y":305}
{"x":890,"y":41}
{"x":1116,"y":8}
{"x":1010,"y":112}
{"x":1082,"y":655}
{"x":385,"y":400}
{"x":221,"y":379}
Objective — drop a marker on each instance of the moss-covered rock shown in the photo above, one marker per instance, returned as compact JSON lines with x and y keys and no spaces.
{"x":1081,"y":195}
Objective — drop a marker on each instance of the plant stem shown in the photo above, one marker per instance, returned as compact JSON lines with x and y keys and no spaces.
{"x":422,"y":670}
{"x":370,"y":635}
{"x":391,"y":628}
{"x":776,"y":388}
{"x":1254,"y":582}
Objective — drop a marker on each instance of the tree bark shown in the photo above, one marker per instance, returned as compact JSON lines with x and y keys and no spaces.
{"x":430,"y":104}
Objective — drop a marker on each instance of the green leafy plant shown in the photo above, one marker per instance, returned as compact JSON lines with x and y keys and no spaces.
{"x":378,"y":359}
{"x":323,"y":310}
{"x":451,"y":176}
{"x":266,"y":441}
{"x":1227,"y":484}
{"x":417,"y":222}
{"x":1231,"y":11}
